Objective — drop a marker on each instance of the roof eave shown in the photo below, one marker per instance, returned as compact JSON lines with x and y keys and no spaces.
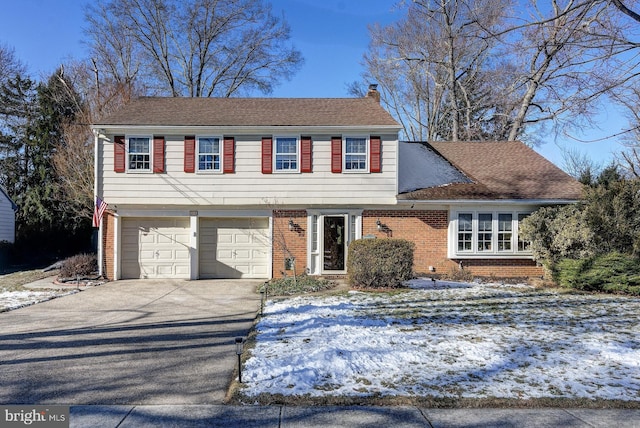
{"x":238,"y":129}
{"x":489,"y":201}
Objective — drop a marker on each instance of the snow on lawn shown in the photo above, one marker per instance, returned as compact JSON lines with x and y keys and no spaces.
{"x":449,"y":340}
{"x":17,"y":299}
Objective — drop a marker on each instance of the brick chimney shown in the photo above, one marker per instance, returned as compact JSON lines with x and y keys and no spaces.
{"x":373,"y":92}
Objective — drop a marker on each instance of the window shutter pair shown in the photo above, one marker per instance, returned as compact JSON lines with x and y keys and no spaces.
{"x":228,"y":154}
{"x":120,"y":155}
{"x":306,"y":153}
{"x":375,"y":154}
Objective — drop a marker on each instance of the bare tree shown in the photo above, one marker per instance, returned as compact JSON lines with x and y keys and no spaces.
{"x":10,"y":66}
{"x":433,"y":67}
{"x":192,"y":48}
{"x":462,"y":69}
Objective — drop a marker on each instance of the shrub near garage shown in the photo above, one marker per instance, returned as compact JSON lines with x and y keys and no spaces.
{"x":380,"y":263}
{"x":81,"y":265}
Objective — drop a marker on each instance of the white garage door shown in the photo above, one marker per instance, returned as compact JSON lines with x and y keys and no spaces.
{"x":155,"y":248}
{"x":234,"y":248}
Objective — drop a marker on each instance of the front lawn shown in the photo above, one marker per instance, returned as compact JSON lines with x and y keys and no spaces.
{"x":447,"y":341}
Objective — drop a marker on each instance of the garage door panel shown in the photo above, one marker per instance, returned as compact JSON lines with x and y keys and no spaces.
{"x":234,"y":248}
{"x":155,"y":248}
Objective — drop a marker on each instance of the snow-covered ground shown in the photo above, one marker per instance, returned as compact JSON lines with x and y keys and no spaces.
{"x":17,"y":299}
{"x":449,"y":340}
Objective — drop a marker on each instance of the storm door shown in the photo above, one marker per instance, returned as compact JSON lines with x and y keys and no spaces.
{"x":334,"y":243}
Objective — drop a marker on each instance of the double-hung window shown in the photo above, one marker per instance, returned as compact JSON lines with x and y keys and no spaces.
{"x":286,"y":154}
{"x":355,"y":154}
{"x":209,"y":159}
{"x":139,"y":149}
{"x":488,"y":234}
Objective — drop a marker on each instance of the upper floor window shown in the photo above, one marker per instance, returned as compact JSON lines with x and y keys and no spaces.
{"x":139,"y":149}
{"x":286,"y":154}
{"x":209,"y":154}
{"x":355,"y":154}
{"x":488,"y":233}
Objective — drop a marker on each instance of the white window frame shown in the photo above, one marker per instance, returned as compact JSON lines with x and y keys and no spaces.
{"x":495,"y":252}
{"x":275,"y":154}
{"x":367,"y":155}
{"x":219,"y":154}
{"x":315,"y":239}
{"x":128,"y":154}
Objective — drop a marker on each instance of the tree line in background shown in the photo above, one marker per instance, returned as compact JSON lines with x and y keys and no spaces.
{"x":447,"y":70}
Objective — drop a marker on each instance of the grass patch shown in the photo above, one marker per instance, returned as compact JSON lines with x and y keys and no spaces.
{"x":302,"y":284}
{"x":15,"y":281}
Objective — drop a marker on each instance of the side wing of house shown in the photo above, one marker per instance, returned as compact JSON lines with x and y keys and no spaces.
{"x":7,"y":218}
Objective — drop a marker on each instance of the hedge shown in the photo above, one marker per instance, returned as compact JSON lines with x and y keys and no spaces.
{"x":380,"y":263}
{"x":611,"y":273}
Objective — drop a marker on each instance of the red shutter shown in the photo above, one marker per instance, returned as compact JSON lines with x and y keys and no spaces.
{"x":375,"y":152}
{"x":158,"y":154}
{"x":267,"y":155}
{"x":190,"y":153}
{"x":118,"y":153}
{"x":229,"y":158}
{"x":305,"y":155}
{"x":336,"y":154}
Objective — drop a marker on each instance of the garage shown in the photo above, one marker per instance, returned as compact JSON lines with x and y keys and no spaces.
{"x":155,"y":248}
{"x":234,"y":248}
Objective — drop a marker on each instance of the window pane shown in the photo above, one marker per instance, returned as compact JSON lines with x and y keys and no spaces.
{"x":139,"y":153}
{"x":287,"y":154}
{"x":505,"y":228}
{"x":464,"y":232}
{"x":485,"y":222}
{"x":209,"y":154}
{"x":522,"y":244}
{"x":355,"y":157}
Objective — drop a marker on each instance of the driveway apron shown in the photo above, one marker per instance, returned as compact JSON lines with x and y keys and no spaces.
{"x":127,"y":342}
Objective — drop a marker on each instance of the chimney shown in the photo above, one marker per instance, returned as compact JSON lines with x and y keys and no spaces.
{"x":373,"y":92}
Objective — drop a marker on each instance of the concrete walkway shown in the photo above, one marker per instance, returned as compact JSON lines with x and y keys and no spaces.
{"x":397,"y":417}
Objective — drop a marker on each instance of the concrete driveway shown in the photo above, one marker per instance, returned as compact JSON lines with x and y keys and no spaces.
{"x":127,"y":342}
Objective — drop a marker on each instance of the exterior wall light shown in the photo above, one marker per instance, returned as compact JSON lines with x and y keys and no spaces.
{"x":291,"y":225}
{"x":379,"y":225}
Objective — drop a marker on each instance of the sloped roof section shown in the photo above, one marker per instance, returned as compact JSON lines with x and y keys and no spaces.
{"x":422,"y":167}
{"x":499,"y":170}
{"x":182,"y":111}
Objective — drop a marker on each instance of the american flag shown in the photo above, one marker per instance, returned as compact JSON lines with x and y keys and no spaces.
{"x":98,"y":211}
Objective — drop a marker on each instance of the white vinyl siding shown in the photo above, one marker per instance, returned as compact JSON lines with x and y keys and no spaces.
{"x":248,"y":186}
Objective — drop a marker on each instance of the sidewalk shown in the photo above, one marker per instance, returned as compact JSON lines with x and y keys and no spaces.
{"x":397,"y":417}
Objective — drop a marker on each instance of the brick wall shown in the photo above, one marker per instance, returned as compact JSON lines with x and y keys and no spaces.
{"x":107,"y":244}
{"x":427,"y":229}
{"x":289,"y":243}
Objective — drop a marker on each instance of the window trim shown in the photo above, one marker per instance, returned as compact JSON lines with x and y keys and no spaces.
{"x":128,"y":154}
{"x":367,"y":154}
{"x":453,"y":244}
{"x":220,"y":155}
{"x":275,"y":154}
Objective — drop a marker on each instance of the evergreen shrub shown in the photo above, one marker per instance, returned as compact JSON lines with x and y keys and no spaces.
{"x":612,"y":273}
{"x":380,"y":263}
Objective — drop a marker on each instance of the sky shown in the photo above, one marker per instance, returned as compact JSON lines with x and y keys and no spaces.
{"x":331,"y":34}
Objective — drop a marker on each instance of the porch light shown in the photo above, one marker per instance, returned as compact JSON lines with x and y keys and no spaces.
{"x":239,"y":345}
{"x":379,"y":225}
{"x":291,"y":225}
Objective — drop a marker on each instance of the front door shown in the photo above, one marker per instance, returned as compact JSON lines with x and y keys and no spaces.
{"x":335,"y":238}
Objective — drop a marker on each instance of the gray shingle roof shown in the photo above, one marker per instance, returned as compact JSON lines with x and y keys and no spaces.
{"x":169,"y":111}
{"x":499,"y":170}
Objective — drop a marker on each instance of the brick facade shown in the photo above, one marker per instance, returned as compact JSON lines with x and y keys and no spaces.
{"x":289,"y":243}
{"x":108,"y":228}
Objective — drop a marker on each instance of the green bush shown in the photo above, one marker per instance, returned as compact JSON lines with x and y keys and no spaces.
{"x":301,"y":284}
{"x":612,"y":273}
{"x":380,"y":263}
{"x":81,"y":265}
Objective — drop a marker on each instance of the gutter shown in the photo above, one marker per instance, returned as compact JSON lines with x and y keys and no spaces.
{"x":488,"y":201}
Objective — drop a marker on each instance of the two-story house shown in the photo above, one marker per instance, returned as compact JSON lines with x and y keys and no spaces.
{"x":255,"y":187}
{"x":7,"y":217}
